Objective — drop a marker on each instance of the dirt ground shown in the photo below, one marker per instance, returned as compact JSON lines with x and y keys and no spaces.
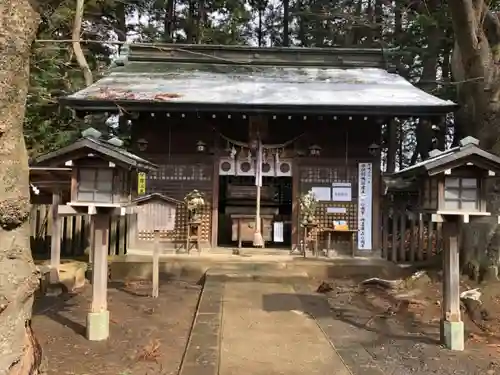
{"x":147,"y":336}
{"x":400,"y":330}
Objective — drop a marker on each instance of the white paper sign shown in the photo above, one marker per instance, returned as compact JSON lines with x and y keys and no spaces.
{"x":336,"y":210}
{"x":278,"y":231}
{"x":341,"y":191}
{"x":322,"y":193}
{"x":365,"y":179}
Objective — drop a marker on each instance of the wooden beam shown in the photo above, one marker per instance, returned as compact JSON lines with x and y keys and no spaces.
{"x":77,"y":208}
{"x":275,"y":56}
{"x":66,"y":210}
{"x":55,"y":239}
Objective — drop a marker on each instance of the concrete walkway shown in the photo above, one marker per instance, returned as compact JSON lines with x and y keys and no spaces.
{"x":264,"y":332}
{"x":269,"y":328}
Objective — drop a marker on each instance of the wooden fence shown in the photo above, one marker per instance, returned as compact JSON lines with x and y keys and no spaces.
{"x":409,"y":236}
{"x":75,"y":234}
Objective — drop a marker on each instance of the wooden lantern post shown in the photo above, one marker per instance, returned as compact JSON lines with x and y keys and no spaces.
{"x":452,"y":190}
{"x":100,"y":186}
{"x":98,"y":317}
{"x":452,"y":329}
{"x":451,"y":324}
{"x":55,"y":239}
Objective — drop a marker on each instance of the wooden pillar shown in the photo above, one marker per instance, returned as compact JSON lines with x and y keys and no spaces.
{"x":100,"y":268}
{"x":392,"y":129}
{"x":295,"y":206}
{"x":452,"y":328}
{"x":156,"y":264}
{"x":91,"y":240}
{"x":215,"y":203}
{"x":55,"y":239}
{"x":376,"y":199}
{"x":98,"y":317}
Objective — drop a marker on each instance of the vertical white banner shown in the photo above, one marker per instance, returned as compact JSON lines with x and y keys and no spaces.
{"x":365,"y":179}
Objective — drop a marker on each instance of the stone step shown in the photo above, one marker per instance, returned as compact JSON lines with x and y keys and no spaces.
{"x":260,"y":275}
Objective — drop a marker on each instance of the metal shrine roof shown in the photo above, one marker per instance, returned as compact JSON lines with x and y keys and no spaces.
{"x":219,"y":85}
{"x":101,"y":147}
{"x":467,"y":151}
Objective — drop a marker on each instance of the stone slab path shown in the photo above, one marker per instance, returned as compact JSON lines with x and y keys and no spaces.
{"x":265,"y":332}
{"x":273,"y":328}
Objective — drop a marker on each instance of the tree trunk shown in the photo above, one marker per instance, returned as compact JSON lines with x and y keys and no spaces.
{"x":475,"y":66}
{"x":169,"y":21}
{"x":121,"y":22}
{"x":286,"y":23}
{"x":303,"y":22}
{"x":20,"y":353}
{"x":190,"y":22}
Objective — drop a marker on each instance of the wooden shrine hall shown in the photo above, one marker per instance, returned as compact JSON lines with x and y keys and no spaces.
{"x":254,"y":130}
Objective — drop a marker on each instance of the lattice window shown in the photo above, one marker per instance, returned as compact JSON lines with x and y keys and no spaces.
{"x":325,"y":176}
{"x":95,"y":185}
{"x":182,"y":173}
{"x":461,"y":194}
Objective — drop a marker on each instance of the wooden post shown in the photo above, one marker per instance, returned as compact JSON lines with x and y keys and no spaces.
{"x":392,"y":127}
{"x":91,"y":240}
{"x":55,"y":239}
{"x":156,"y":264}
{"x":215,"y":203}
{"x":258,"y":229}
{"x":376,"y":198}
{"x":258,"y":240}
{"x":295,"y":207}
{"x":98,"y":317}
{"x":452,"y":328}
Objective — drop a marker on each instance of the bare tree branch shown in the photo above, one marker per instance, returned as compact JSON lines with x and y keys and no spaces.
{"x":77,"y":48}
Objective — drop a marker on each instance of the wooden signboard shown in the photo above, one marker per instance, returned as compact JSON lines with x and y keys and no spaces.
{"x":249,"y":192}
{"x":141,"y":183}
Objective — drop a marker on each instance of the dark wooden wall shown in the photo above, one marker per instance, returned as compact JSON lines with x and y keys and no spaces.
{"x":172,"y":145}
{"x":176,"y":135}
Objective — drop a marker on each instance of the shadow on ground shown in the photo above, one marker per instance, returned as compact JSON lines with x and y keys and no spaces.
{"x":147,"y":335}
{"x":400,"y":338}
{"x":317,"y":307}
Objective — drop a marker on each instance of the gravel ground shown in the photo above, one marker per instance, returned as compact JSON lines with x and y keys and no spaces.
{"x":405,"y":339}
{"x":147,"y":336}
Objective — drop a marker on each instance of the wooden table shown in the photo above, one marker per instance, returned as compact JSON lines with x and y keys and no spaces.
{"x":336,"y":234}
{"x":243,"y":228}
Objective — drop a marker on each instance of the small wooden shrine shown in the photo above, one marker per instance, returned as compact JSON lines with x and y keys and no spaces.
{"x":102,"y":178}
{"x":149,"y":214}
{"x":255,"y":128}
{"x":452,"y":189}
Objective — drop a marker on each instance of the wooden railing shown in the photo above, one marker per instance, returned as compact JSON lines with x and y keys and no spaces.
{"x":75,"y":234}
{"x":409,"y":236}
